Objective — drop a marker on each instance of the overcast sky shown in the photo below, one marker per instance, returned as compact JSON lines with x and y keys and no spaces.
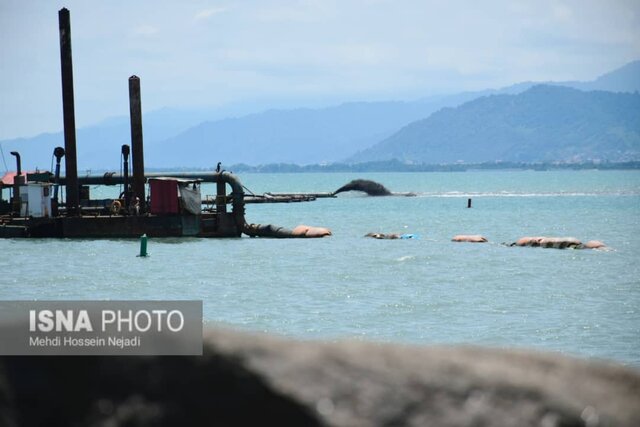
{"x":295,"y":53}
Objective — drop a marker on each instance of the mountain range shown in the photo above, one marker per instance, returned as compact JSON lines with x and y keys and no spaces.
{"x":522,"y":122}
{"x":545,"y":123}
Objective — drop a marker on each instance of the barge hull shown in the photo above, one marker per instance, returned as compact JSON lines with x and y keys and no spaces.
{"x":206,"y":225}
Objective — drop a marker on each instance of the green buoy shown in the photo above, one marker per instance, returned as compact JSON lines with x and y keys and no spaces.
{"x":143,"y":245}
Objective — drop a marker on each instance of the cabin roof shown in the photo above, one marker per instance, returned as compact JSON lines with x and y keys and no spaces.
{"x":7,"y":179}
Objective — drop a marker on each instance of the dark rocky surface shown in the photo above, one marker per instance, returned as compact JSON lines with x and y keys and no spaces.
{"x":246,"y":379}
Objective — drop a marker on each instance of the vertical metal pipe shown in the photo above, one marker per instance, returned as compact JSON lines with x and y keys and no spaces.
{"x":71,"y":165}
{"x":18,"y":164}
{"x":135,"y":109}
{"x":17,"y":182}
{"x":58,"y":152}
{"x":221,"y":198}
{"x":125,"y":161}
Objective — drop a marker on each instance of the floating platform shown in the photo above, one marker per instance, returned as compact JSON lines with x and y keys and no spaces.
{"x":173,"y":210}
{"x":100,"y":226}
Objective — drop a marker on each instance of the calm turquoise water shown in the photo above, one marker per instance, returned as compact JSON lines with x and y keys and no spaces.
{"x":422,"y":291}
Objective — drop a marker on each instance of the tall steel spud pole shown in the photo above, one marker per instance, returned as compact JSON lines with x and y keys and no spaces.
{"x":71,"y":163}
{"x":137,"y":151}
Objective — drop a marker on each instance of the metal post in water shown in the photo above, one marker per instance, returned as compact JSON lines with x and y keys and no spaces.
{"x":71,"y":164}
{"x":135,"y":109}
{"x":143,"y":245}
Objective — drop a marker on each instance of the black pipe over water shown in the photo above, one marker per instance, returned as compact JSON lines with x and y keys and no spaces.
{"x":66,"y":66}
{"x":372,"y":188}
{"x":135,"y":109}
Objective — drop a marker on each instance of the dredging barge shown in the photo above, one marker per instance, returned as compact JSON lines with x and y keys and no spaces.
{"x":173,"y":208}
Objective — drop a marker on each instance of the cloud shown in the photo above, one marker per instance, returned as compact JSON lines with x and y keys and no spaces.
{"x":303,"y":49}
{"x":145,"y":30}
{"x":208,"y":13}
{"x":561,"y":13}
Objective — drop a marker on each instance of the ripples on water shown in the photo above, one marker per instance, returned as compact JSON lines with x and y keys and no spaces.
{"x":423,"y":291}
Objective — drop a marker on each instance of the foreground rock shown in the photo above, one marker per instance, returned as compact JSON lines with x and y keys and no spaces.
{"x":260,"y":380}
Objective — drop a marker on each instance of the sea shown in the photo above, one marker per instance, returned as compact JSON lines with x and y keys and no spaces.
{"x":425,"y":291}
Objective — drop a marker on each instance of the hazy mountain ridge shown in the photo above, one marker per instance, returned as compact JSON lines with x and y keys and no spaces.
{"x":99,"y":145}
{"x":623,"y":79}
{"x":296,"y":136}
{"x":202,"y":137}
{"x":544,"y":123}
{"x":175,"y":138}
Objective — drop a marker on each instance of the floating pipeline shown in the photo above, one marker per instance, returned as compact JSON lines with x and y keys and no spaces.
{"x":595,"y":244}
{"x":270,"y":230}
{"x":469,"y":238}
{"x":284,"y":197}
{"x":392,"y":236}
{"x":371,"y":188}
{"x":558,"y":243}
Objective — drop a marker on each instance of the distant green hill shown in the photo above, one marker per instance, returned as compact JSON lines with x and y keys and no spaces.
{"x":544,"y":123}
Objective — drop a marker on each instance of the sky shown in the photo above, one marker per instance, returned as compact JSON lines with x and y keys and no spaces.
{"x":209,"y":53}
